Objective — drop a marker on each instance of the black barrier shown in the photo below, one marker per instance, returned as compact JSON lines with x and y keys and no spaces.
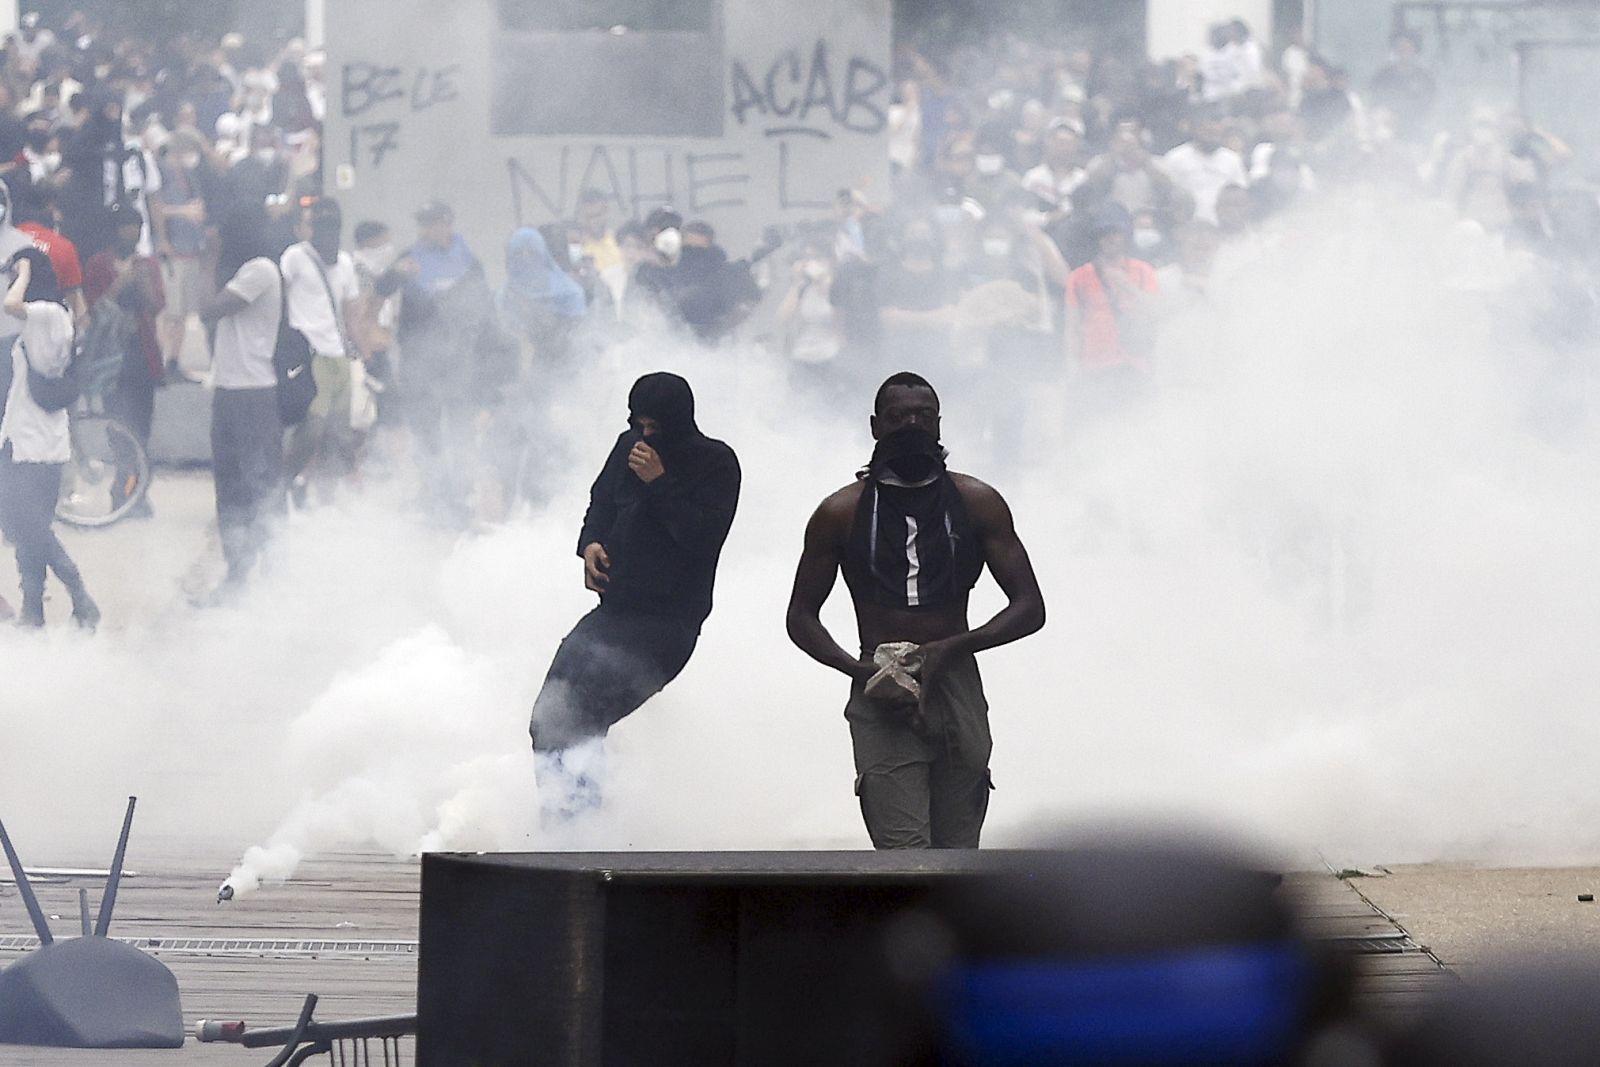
{"x":1142,"y":950}
{"x":726,"y":958}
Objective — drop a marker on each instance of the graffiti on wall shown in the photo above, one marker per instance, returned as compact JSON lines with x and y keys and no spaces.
{"x":377,"y":100}
{"x":787,"y":112}
{"x":781,"y":109}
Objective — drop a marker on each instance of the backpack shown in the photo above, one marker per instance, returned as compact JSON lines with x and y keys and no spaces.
{"x":291,"y":362}
{"x":103,"y":347}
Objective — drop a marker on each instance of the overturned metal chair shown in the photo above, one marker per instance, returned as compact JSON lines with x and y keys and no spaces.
{"x":349,"y":1043}
{"x":88,"y":991}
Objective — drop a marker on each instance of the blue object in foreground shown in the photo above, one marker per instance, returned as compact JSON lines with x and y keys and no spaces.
{"x":1233,"y":1005}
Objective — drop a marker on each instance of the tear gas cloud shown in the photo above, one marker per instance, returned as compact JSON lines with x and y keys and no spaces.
{"x":1333,"y":585}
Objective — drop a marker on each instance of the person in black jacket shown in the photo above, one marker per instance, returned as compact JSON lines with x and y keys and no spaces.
{"x":658,"y":515}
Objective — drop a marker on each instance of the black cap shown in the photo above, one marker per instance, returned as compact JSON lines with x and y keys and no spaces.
{"x":124,"y":213}
{"x":663,"y":218}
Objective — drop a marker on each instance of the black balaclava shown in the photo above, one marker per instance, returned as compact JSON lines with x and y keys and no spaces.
{"x":122,"y":216}
{"x":245,"y":233}
{"x":910,"y":456}
{"x":327,"y":222}
{"x":666,"y":398}
{"x":42,"y":283}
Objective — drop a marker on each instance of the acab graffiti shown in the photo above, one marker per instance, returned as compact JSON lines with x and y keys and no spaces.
{"x":800,"y":92}
{"x":799,"y":123}
{"x":801,"y":97}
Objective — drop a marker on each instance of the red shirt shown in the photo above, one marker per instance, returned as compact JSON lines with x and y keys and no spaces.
{"x":1101,"y":319}
{"x":62,"y":252}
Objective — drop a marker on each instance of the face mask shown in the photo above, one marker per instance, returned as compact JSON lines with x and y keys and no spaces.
{"x":51,"y":160}
{"x":189,"y":160}
{"x":816,"y":270}
{"x":1146,"y":239}
{"x":669,"y":242}
{"x":997,"y":247}
{"x":948,"y":214}
{"x":574,"y":253}
{"x":989,"y":166}
{"x":266,"y":156}
{"x":1002,"y":99}
{"x":910,"y":456}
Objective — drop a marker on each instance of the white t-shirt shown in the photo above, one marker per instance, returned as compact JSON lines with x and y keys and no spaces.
{"x":310,"y":311}
{"x":1203,"y":176}
{"x":245,"y":339}
{"x":1043,"y":181}
{"x":37,"y":435}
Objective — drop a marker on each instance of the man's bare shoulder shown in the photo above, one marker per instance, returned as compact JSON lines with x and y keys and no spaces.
{"x":833,"y":518}
{"x":983,"y":500}
{"x":842,"y":502}
{"x":972,"y":488}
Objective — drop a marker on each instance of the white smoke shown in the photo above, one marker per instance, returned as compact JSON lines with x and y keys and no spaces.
{"x":1334,"y":587}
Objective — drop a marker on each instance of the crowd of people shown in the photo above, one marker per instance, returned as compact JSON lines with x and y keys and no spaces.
{"x":1051,"y":204}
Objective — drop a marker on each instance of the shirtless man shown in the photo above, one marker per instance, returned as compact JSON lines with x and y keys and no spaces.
{"x":912,"y":539}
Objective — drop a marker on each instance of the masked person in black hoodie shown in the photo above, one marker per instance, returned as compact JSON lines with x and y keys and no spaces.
{"x":912,"y":537}
{"x":658,"y":515}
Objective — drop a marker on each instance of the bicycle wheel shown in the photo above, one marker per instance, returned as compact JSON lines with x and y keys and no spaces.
{"x":107,"y":476}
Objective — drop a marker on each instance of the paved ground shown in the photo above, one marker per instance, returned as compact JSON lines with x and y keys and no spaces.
{"x":1474,"y":918}
{"x":345,"y":928}
{"x":189,"y":556}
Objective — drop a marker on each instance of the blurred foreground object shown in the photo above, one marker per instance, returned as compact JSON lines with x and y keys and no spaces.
{"x":88,"y":991}
{"x":1139,"y":950}
{"x":1121,"y":950}
{"x":1536,"y":1011}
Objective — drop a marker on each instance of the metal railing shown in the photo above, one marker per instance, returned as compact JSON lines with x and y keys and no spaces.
{"x":349,"y":1043}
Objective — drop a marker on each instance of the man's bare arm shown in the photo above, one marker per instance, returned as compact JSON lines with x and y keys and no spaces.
{"x":813,"y":581}
{"x":1012,"y":570}
{"x":225,"y":303}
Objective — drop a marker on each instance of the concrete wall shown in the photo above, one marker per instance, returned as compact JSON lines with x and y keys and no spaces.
{"x":787,"y":102}
{"x":1354,"y":34}
{"x":1179,"y":26}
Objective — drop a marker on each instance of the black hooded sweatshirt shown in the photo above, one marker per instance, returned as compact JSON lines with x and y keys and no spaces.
{"x":664,"y":537}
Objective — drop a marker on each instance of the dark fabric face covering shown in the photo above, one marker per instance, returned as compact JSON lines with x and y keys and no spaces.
{"x":909,"y":456}
{"x":667,"y":399}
